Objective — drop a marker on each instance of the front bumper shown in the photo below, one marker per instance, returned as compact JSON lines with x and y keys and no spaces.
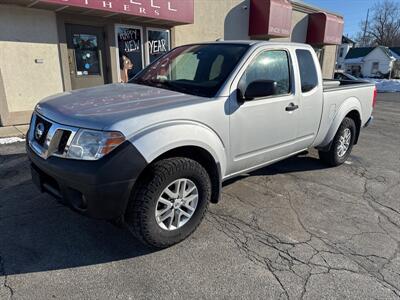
{"x":99,"y":189}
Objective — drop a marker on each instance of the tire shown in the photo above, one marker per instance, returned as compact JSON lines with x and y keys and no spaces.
{"x":160,"y":180}
{"x":335,"y":157}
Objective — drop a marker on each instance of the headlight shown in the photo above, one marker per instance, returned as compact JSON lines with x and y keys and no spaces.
{"x":92,"y":145}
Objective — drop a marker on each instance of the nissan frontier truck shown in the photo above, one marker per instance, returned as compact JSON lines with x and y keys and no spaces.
{"x":152,"y":153}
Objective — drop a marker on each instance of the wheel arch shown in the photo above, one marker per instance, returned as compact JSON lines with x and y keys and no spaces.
{"x":186,"y":139}
{"x":355,"y":116}
{"x":203,"y":157}
{"x":350,"y":108}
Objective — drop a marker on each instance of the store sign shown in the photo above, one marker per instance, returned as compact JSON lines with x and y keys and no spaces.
{"x":157,"y":43}
{"x":129,"y":40}
{"x":181,"y":11}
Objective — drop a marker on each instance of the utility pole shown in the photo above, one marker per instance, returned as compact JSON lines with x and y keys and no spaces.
{"x":365,"y":28}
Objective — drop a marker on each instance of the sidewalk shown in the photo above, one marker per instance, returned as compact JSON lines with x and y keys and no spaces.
{"x":13,"y":131}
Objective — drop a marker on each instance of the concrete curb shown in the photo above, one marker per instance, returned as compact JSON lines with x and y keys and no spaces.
{"x":14,"y":131}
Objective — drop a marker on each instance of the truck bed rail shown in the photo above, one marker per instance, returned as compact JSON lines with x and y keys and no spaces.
{"x":335,"y":85}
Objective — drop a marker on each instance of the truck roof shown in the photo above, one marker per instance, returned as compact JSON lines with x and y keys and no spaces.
{"x":255,"y":42}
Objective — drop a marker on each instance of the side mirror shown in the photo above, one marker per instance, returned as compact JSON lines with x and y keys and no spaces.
{"x":260,"y":88}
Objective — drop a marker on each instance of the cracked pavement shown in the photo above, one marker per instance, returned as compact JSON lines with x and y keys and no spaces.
{"x":293,"y":230}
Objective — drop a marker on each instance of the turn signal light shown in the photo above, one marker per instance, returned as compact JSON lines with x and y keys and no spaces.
{"x":114,"y":140}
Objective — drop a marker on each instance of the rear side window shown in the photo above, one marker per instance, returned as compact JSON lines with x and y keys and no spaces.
{"x":269,"y":65}
{"x":308,"y":72}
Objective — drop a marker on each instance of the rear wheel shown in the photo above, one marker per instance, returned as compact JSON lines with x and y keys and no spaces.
{"x":170,"y":202}
{"x":342,"y":144}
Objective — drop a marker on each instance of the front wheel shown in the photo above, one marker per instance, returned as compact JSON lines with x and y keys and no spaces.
{"x":342,"y":144}
{"x":170,"y":202}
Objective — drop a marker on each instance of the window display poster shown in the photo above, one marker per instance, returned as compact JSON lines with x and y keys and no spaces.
{"x":130,"y":51}
{"x":86,"y":54}
{"x":157,"y":43}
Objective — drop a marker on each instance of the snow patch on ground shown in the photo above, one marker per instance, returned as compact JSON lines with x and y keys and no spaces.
{"x":386,"y":85}
{"x":11,"y":140}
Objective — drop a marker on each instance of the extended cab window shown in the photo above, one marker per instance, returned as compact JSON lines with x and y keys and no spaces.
{"x":269,"y":65}
{"x":308,"y":72}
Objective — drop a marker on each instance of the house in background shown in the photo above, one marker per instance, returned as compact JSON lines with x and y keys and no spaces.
{"x":342,"y":51}
{"x":377,"y":62}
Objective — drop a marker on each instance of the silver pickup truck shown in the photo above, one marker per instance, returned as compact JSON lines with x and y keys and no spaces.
{"x":151,"y":154}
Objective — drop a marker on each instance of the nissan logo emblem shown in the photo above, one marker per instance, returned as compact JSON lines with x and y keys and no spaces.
{"x":39,"y":130}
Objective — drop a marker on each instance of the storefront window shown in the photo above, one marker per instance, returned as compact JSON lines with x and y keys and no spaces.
{"x":86,"y":54}
{"x":130,"y":51}
{"x":157,"y":43}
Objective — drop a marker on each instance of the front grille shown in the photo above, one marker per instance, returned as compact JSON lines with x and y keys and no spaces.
{"x":63,"y":141}
{"x":48,"y":138}
{"x":46,"y":127}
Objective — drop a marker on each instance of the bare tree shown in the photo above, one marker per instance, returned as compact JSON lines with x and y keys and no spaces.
{"x":383,"y":27}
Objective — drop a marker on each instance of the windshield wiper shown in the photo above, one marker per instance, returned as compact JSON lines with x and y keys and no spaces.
{"x":168,"y":85}
{"x":138,"y":81}
{"x":151,"y":82}
{"x":184,"y":89}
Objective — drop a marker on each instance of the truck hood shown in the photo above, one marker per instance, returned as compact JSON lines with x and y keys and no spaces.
{"x":103,"y":106}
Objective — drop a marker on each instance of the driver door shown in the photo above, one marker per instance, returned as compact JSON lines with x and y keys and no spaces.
{"x":263,"y":129}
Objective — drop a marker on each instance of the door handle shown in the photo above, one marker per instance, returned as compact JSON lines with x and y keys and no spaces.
{"x":291,"y":107}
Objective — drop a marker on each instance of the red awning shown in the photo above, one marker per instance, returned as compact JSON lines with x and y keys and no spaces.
{"x":324,"y":29}
{"x":180,"y":11}
{"x":270,"y":18}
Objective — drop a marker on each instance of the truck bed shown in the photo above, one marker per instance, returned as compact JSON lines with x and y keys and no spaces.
{"x":334,"y":85}
{"x":338,"y":92}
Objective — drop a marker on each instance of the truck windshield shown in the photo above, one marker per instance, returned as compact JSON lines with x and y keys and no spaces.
{"x":193,"y":69}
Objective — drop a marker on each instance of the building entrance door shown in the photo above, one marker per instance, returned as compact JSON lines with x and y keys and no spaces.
{"x":86,"y":55}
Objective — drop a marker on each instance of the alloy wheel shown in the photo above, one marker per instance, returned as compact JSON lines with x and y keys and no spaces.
{"x":176,"y":204}
{"x":344,"y":142}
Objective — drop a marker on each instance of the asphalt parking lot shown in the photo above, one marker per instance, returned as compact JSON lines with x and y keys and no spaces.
{"x":293,"y":230}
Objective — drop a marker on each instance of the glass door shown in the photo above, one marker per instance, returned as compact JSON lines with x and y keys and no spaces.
{"x":86,"y":55}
